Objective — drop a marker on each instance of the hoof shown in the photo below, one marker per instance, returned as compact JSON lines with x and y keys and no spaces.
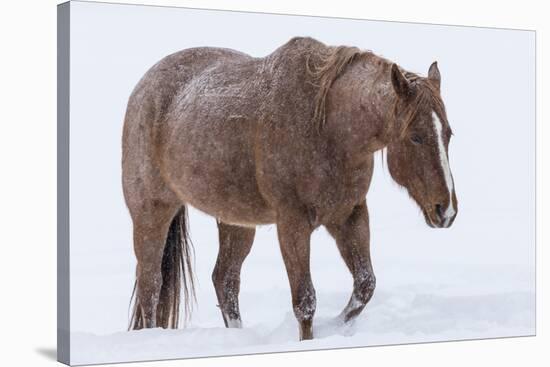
{"x":306,"y":330}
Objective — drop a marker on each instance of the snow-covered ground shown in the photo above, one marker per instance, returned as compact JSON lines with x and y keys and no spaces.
{"x":474,"y":280}
{"x":455,"y":304}
{"x":417,"y":300}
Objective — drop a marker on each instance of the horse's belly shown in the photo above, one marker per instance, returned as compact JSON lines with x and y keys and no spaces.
{"x":231,"y":202}
{"x":210,"y":165}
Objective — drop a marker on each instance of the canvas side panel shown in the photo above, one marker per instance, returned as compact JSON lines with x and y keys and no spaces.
{"x":63,"y":113}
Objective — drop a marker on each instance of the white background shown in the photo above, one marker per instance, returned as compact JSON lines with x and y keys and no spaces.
{"x":28,"y":288}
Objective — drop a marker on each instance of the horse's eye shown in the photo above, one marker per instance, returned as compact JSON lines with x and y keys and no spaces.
{"x":416,"y":139}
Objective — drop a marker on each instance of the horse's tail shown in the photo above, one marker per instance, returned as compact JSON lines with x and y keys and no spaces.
{"x":177,"y":271}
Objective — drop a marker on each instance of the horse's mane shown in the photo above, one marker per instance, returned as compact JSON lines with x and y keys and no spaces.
{"x":326,"y":65}
{"x":323,"y":71}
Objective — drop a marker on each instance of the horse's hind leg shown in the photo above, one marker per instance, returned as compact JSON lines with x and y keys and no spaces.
{"x":294,"y":232}
{"x":352,"y":238}
{"x":235,"y":244}
{"x":151,"y":223}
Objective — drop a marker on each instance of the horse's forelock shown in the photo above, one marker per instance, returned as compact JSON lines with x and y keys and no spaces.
{"x":426,"y":97}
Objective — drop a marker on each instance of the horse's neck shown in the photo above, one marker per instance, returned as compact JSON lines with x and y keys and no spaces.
{"x":380,"y":92}
{"x":364,"y":99}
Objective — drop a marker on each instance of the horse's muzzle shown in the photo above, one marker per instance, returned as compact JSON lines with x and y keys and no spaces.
{"x":439,"y":218}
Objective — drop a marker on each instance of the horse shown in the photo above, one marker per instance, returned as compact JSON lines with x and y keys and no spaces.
{"x":285,"y":139}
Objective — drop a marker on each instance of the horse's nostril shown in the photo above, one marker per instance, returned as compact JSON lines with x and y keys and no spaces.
{"x":439,"y":210}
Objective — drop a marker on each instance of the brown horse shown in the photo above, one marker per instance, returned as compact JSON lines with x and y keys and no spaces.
{"x":286,"y":139}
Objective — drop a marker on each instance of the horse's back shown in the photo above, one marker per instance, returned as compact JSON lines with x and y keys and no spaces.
{"x":165,"y":80}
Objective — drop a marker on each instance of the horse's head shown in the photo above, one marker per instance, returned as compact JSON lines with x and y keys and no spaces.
{"x":418,"y":155}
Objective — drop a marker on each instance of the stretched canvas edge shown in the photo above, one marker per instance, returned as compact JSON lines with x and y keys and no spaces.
{"x":63,"y":143}
{"x":63,"y":115}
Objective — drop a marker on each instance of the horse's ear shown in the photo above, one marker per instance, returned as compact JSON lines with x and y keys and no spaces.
{"x":433,"y":75}
{"x":400,"y":83}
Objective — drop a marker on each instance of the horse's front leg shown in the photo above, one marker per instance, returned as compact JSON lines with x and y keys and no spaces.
{"x":353,"y":239}
{"x":294,"y":232}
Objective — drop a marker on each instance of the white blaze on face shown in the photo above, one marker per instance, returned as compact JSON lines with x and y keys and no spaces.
{"x":444,"y":160}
